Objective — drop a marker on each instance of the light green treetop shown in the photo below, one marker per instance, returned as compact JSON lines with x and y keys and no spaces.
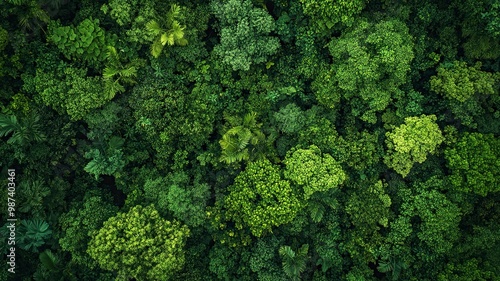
{"x":411,"y":143}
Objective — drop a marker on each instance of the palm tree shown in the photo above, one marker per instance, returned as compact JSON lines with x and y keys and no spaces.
{"x":22,"y":132}
{"x":235,"y":141}
{"x":30,"y":14}
{"x":393,"y":265}
{"x":167,"y":30}
{"x":294,"y":263}
{"x":116,"y":72}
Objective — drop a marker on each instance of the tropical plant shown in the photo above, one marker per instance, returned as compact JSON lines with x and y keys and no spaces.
{"x":24,"y":131}
{"x":115,"y":73}
{"x":33,"y":233}
{"x":294,"y":263}
{"x":235,"y":141}
{"x":392,"y":265}
{"x":167,"y":30}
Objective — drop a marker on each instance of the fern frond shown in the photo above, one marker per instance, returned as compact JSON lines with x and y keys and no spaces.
{"x":156,"y":48}
{"x":154,"y":27}
{"x":109,"y":73}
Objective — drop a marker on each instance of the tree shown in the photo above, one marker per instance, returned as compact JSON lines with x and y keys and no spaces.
{"x":371,"y":63}
{"x":328,"y":14}
{"x":459,"y":82}
{"x":294,"y":263}
{"x":166,"y":30}
{"x":260,"y":199}
{"x":313,"y":171}
{"x":243,"y":133}
{"x":474,"y":162}
{"x":23,"y":132}
{"x":80,"y":223}
{"x":115,"y":73}
{"x":33,"y":234}
{"x":411,"y":143}
{"x":140,"y":244}
{"x":244,"y":34}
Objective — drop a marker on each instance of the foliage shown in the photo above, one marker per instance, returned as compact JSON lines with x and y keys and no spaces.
{"x":33,"y":234}
{"x":116,"y":73}
{"x":474,"y":163}
{"x":326,"y":14}
{"x":244,"y":34}
{"x":107,"y":161}
{"x":461,"y":82}
{"x":23,"y":132}
{"x":260,"y":199}
{"x":167,"y":31}
{"x":313,"y":171}
{"x":140,"y":244}
{"x":294,"y":263}
{"x":371,"y":63}
{"x":411,"y":143}
{"x":244,"y":134}
{"x":87,"y":41}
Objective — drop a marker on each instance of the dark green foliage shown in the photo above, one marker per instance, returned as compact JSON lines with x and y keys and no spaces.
{"x":33,"y":234}
{"x":251,"y":140}
{"x":474,"y":162}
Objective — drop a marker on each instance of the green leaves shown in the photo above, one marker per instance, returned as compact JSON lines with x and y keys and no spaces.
{"x":313,"y":171}
{"x":236,"y":141}
{"x":140,"y":244}
{"x":244,"y":34}
{"x":474,"y":162}
{"x":371,"y":63}
{"x":294,"y":263}
{"x":166,"y":30}
{"x":411,"y":142}
{"x":33,"y":234}
{"x":259,"y":199}
{"x":24,"y":132}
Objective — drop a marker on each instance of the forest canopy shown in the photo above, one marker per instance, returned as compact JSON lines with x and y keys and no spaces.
{"x":250,"y":140}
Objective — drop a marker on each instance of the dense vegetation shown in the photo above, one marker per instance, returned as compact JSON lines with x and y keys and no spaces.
{"x":252,"y":139}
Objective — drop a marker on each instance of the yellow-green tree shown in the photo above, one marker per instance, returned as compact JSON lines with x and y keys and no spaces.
{"x":140,"y":244}
{"x":260,"y":199}
{"x":411,"y":142}
{"x":313,"y":171}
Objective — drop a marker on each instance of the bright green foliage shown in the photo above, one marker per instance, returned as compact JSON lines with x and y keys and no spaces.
{"x":461,"y":82}
{"x":294,"y":263}
{"x":313,"y":171}
{"x":411,"y":143}
{"x":81,"y":223}
{"x":86,"y":41}
{"x":326,"y":14}
{"x":33,"y":234}
{"x":25,"y":131}
{"x":371,"y":61}
{"x":244,"y":34}
{"x":260,"y":199}
{"x":492,"y":15}
{"x":474,"y":162}
{"x":243,"y":134}
{"x":106,"y":161}
{"x":140,"y":244}
{"x":70,"y":91}
{"x":115,"y":73}
{"x":168,"y":30}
